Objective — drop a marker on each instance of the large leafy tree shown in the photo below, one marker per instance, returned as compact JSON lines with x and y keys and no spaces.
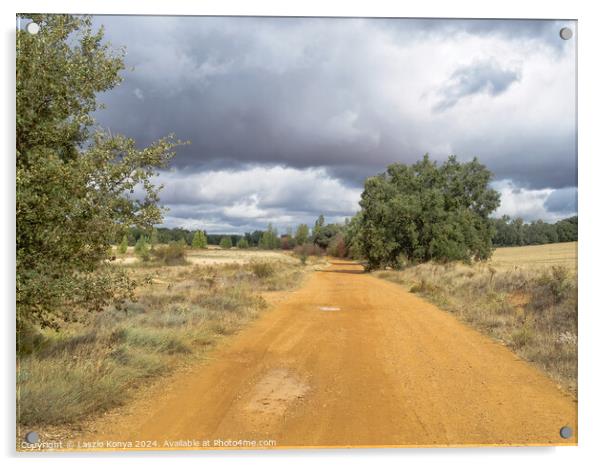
{"x":427,"y":212}
{"x":78,"y":189}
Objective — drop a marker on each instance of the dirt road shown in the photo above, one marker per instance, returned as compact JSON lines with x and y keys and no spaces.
{"x":350,"y":360}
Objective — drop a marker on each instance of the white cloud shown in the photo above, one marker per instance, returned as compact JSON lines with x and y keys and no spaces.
{"x":240,"y":200}
{"x":529,"y":204}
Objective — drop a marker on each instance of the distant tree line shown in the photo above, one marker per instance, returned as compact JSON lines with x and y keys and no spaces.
{"x":410,"y":213}
{"x":515,"y":232}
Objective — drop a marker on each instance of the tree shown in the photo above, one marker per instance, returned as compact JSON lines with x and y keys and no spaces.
{"x":567,"y":229}
{"x":254,"y":238}
{"x":225,"y":242}
{"x":123,"y":246}
{"x":199,"y":240}
{"x":142,"y":248}
{"x":324,"y":234}
{"x":352,"y":236}
{"x":269,"y":238}
{"x":427,"y":212}
{"x":242,"y":243}
{"x":318,"y":225}
{"x":336,"y":246}
{"x":301,"y":234}
{"x":73,"y":186}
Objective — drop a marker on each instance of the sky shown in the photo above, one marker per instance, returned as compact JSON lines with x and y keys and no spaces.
{"x":286,"y":117}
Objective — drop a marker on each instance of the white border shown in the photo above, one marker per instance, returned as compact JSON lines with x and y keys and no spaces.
{"x":590,"y":173}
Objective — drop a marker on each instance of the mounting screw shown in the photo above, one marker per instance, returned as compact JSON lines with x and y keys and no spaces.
{"x":566,"y":33}
{"x":566,"y":432}
{"x":32,"y":437}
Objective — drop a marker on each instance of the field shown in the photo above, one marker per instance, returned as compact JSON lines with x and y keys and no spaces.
{"x":525,"y":297}
{"x":216,"y":256}
{"x":180,"y":314}
{"x":541,"y":256}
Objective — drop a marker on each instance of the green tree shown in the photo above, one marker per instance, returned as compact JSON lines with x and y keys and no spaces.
{"x":225,"y":242}
{"x":254,"y":238}
{"x":337,"y":247}
{"x":301,"y":234}
{"x":73,"y":186}
{"x":427,"y":212}
{"x":352,"y":236}
{"x":323,"y":235}
{"x":567,"y":229}
{"x":319,"y":223}
{"x":123,"y":246}
{"x":199,"y":240}
{"x":242,"y":243}
{"x":142,"y":248}
{"x":269,"y":238}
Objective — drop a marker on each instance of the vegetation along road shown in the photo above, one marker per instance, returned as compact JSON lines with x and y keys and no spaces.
{"x":352,"y":360}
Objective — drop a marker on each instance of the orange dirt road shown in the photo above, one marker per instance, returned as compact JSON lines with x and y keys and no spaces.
{"x":351,"y":360}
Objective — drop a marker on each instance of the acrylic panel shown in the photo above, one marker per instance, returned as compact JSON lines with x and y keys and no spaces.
{"x":292,"y":232}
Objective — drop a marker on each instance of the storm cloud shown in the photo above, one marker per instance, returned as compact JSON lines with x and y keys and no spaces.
{"x":332,"y":101}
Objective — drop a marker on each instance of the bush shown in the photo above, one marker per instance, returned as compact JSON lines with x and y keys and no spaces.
{"x":552,"y":288}
{"x":123,"y":246}
{"x":521,"y":337}
{"x":242,"y":243}
{"x":225,"y":242}
{"x":142,"y":249}
{"x":172,"y":254}
{"x":308,"y":249}
{"x":262,"y":269}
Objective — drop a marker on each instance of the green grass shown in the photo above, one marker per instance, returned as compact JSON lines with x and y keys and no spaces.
{"x":95,"y":365}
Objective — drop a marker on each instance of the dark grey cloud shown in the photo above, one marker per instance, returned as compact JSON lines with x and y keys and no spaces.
{"x":348,"y":95}
{"x":563,"y":201}
{"x":486,"y":77}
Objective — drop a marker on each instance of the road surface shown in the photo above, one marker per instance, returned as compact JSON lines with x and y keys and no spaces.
{"x":351,"y":360}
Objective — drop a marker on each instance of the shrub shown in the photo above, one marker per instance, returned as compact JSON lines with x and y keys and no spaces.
{"x":225,"y":242}
{"x":242,"y":243}
{"x":142,"y":249}
{"x":521,"y":337}
{"x":552,"y":288}
{"x":172,"y":254}
{"x":308,"y":249}
{"x":123,"y":246}
{"x":263,"y":269}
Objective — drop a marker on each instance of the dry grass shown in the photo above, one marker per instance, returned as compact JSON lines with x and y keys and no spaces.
{"x":95,"y":365}
{"x":531,"y":307}
{"x":532,"y":257}
{"x":214,"y":256}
